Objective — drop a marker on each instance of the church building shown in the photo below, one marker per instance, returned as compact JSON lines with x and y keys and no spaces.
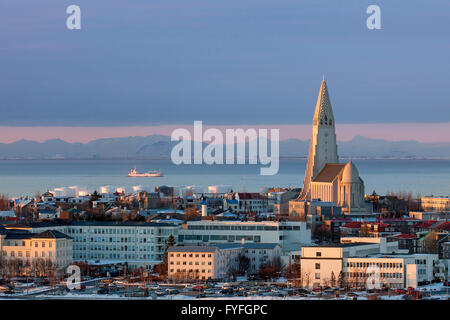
{"x":325,"y":178}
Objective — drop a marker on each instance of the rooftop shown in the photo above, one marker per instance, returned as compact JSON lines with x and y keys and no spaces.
{"x":329,"y":172}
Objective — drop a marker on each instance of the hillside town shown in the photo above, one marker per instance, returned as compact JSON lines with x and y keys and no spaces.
{"x":328,"y":238}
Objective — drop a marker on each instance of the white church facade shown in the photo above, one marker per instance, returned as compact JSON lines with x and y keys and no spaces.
{"x":325,"y":178}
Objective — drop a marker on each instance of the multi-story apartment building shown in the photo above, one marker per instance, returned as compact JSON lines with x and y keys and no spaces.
{"x":395,"y":271}
{"x":356,"y":262}
{"x":216,"y":261}
{"x":320,"y":264}
{"x":138,"y":244}
{"x":261,"y":254}
{"x":202,"y":262}
{"x":210,"y":232}
{"x":49,"y":246}
{"x":432,"y":203}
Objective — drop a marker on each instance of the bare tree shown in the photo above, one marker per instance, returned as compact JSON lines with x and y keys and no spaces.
{"x":430,"y":243}
{"x":307,"y":279}
{"x":243,"y":263}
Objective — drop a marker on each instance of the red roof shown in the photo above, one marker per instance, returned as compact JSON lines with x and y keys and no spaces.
{"x":405,"y":236}
{"x":424,"y":224}
{"x":444,"y":226}
{"x":247,"y":195}
{"x":352,"y":225}
{"x":382,"y":226}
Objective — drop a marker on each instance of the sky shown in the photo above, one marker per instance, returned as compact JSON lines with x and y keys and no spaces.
{"x":149,"y":64}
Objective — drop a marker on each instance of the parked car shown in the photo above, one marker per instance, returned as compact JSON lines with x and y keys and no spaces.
{"x":400,"y":291}
{"x":160,"y":293}
{"x":172,"y":291}
{"x":302,"y":291}
{"x":227,"y":290}
{"x":103,"y":291}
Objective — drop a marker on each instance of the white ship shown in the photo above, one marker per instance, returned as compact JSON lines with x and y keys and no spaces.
{"x":134,"y":173}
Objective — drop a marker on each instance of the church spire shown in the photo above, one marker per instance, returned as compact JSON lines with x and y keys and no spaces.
{"x":323,"y":147}
{"x":323,"y":115}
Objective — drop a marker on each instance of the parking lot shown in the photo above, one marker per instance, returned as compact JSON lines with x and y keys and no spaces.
{"x":118,"y":287}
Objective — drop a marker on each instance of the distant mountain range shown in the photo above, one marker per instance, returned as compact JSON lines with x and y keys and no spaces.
{"x":159,"y":147}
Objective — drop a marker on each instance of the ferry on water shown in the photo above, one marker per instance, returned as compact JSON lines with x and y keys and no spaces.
{"x":134,"y":173}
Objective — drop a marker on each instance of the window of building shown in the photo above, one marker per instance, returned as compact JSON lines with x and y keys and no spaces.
{"x":317,"y":266}
{"x":317,"y":275}
{"x":318,"y":254}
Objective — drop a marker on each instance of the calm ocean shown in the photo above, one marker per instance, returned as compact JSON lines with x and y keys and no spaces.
{"x":26,"y":177}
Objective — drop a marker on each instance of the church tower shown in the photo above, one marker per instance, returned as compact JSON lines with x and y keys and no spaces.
{"x":323,"y":147}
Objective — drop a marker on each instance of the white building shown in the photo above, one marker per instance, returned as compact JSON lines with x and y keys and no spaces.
{"x":384,"y":245}
{"x":208,"y":232}
{"x":250,"y":202}
{"x":320,"y":264}
{"x":359,"y":262}
{"x":261,"y":254}
{"x":140,"y":244}
{"x":395,"y":271}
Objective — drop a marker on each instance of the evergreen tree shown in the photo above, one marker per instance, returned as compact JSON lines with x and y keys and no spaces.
{"x":341,"y":280}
